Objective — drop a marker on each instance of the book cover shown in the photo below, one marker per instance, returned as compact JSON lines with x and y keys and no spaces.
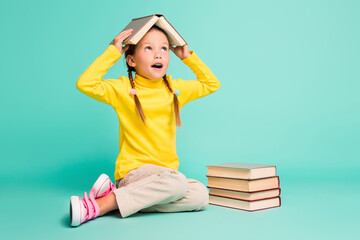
{"x":241,"y":170}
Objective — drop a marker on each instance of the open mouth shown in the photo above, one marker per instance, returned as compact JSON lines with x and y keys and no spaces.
{"x":158,"y":65}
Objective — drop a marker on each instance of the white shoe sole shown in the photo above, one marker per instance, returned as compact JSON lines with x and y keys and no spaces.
{"x":75,"y":211}
{"x":101,"y":182}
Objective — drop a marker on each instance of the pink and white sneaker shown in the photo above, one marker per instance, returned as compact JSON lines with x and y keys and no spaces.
{"x":103,"y":186}
{"x":83,"y":209}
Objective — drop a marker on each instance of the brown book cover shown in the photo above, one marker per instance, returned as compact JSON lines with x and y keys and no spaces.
{"x":245,"y":205}
{"x":242,"y":170}
{"x":244,"y":185}
{"x":245,"y":196}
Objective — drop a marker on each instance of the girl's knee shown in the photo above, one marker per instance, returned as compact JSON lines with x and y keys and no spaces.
{"x":203,"y":197}
{"x":176,"y":183}
{"x":199,"y":196}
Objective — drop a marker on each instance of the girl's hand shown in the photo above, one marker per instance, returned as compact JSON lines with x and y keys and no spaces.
{"x":118,"y":40}
{"x":181,"y":51}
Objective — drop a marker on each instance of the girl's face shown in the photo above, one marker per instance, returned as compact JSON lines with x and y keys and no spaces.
{"x":151,"y":57}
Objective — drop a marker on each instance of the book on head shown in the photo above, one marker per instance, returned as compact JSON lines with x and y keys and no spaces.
{"x":242,"y":170}
{"x":142,"y":25}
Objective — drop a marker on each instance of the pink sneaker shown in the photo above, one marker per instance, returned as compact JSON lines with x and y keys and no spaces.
{"x":83,"y":209}
{"x":103,"y":186}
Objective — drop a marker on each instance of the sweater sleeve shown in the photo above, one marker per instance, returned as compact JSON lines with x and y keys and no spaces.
{"x":205,"y":84}
{"x":91,"y":83}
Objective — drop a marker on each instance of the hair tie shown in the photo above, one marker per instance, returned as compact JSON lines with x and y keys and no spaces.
{"x":176,"y":92}
{"x":133,"y":91}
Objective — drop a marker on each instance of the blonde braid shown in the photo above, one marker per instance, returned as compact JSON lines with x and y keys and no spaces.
{"x":137,"y":101}
{"x":176,"y":102}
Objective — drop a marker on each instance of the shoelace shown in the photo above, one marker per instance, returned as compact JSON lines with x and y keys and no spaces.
{"x":92,"y":209}
{"x":109,"y":190}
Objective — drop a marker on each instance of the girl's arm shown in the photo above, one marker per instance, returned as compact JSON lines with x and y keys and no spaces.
{"x":91,"y":82}
{"x":206,"y":82}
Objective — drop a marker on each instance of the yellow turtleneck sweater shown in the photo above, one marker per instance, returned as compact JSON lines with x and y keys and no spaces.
{"x":155,"y":142}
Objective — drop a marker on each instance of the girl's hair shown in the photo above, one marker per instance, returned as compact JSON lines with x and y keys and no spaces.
{"x":131,"y":51}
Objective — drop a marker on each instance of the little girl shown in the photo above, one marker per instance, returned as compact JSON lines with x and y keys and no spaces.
{"x":148,"y":107}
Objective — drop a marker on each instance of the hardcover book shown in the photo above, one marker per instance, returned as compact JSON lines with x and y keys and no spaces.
{"x":142,"y":25}
{"x":244,"y":185}
{"x":246,"y":196}
{"x":242,"y":170}
{"x":245,"y":205}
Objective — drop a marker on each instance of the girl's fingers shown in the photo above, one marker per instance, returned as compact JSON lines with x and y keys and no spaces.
{"x":119,"y":39}
{"x":126,"y":32}
{"x":123,"y":37}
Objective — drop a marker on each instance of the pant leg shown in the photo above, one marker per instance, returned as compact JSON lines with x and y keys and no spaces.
{"x":195,"y":199}
{"x":149,"y":185}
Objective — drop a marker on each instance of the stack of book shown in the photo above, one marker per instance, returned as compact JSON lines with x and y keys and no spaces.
{"x":244,"y":186}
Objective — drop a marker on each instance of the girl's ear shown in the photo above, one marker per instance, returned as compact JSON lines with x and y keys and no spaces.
{"x":130,"y":60}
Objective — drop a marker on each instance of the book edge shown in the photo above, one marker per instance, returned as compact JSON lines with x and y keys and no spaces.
{"x":244,"y":178}
{"x":244,"y":209}
{"x":248,"y":192}
{"x":174,"y":30}
{"x":260,"y":199}
{"x":256,"y":167}
{"x":128,"y":39}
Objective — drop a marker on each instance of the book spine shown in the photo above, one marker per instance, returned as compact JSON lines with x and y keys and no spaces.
{"x":279,"y":201}
{"x":152,"y":15}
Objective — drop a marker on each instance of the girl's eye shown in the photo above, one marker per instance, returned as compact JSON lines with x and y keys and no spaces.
{"x":164,"y":48}
{"x":147,"y":48}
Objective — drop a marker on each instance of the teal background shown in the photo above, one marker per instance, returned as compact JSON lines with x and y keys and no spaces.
{"x":289,"y":96}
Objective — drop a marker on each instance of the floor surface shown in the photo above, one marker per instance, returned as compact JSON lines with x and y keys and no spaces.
{"x":310,"y":210}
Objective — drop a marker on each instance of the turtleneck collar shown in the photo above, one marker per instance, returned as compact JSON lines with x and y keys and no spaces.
{"x":145,"y":82}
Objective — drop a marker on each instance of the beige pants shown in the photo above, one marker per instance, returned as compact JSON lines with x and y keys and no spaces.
{"x":152,"y":188}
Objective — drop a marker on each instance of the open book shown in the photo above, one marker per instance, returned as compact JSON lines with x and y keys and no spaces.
{"x":142,"y":25}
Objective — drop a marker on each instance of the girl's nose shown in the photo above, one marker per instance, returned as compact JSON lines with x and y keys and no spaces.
{"x":157,"y":54}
